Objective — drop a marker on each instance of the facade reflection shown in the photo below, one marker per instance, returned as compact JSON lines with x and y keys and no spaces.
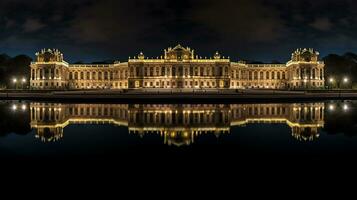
{"x":177,"y":124}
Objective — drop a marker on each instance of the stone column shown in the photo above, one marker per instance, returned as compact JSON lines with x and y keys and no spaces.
{"x":49,"y":73}
{"x":311,"y":73}
{"x":32,"y":74}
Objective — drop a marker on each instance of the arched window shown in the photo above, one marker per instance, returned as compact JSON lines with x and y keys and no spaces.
{"x":137,"y":70}
{"x":256,"y":75}
{"x":88,"y":76}
{"x":106,"y":74}
{"x":151,"y":71}
{"x":163,"y":71}
{"x":33,"y":74}
{"x":173,"y":71}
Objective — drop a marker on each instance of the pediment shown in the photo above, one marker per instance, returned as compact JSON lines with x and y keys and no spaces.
{"x":179,"y":52}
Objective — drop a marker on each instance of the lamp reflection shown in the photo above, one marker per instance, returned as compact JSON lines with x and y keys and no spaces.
{"x":345,"y":107}
{"x":14,"y":107}
{"x":331,"y":107}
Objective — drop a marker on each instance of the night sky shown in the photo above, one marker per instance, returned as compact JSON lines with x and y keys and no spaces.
{"x":88,"y":30}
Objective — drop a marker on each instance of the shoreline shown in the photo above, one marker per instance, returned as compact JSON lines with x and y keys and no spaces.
{"x":178,"y":96}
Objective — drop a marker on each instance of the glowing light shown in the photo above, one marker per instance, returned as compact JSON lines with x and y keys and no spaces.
{"x":345,"y":80}
{"x":331,"y":107}
{"x":345,"y":107}
{"x":14,"y":107}
{"x":23,"y":107}
{"x":331,"y":80}
{"x":14,"y":80}
{"x":23,"y":80}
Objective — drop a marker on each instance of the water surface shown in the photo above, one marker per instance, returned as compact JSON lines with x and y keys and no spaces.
{"x":314,"y":130}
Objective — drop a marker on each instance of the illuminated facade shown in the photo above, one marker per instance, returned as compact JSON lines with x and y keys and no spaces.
{"x":178,"y":124}
{"x":180,"y":68}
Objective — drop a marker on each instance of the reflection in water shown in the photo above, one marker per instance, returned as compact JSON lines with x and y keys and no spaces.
{"x":178,"y":124}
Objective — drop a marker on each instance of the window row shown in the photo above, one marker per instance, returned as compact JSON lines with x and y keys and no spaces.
{"x":179,"y":71}
{"x":106,"y":75}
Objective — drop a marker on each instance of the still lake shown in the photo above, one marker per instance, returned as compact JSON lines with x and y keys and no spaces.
{"x":316,"y":130}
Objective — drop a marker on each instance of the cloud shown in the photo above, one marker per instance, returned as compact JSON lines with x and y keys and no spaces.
{"x":114,"y":28}
{"x":245,"y":20}
{"x":113,"y":22}
{"x":322,"y":24}
{"x":32,"y":25}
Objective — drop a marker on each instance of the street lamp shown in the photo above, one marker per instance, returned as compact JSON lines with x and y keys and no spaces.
{"x":23,"y":81}
{"x":14,"y":80}
{"x":345,"y":80}
{"x":331,"y":81}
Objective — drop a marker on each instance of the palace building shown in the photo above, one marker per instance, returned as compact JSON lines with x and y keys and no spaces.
{"x":180,"y":68}
{"x":177,"y":124}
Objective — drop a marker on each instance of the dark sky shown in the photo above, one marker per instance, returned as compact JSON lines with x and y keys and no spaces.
{"x":88,"y":30}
